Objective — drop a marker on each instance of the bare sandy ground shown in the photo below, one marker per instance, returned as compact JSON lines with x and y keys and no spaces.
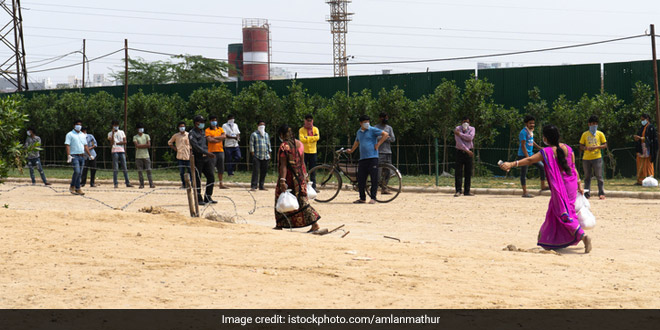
{"x":63,"y":251}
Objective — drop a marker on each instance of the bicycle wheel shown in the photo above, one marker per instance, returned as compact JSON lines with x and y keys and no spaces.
{"x":328,"y":183}
{"x":389,"y":181}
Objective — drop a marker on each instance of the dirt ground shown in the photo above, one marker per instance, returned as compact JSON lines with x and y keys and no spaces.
{"x":63,"y":251}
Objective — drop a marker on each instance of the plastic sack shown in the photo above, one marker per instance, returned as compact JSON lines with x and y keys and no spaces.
{"x":650,"y":182}
{"x":586,"y":218}
{"x":287,"y":202}
{"x":311,"y":193}
{"x":581,"y":202}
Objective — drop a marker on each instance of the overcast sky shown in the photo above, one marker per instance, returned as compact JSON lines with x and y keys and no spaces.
{"x":381,"y":30}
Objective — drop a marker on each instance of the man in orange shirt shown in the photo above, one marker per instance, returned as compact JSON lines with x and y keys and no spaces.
{"x":215,"y":135}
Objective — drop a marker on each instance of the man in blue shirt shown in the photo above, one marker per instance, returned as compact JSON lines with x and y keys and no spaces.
{"x":526,"y":149}
{"x":368,"y":140}
{"x":76,"y":148}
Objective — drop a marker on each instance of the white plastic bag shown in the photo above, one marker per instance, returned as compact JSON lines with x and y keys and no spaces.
{"x":586,"y":218}
{"x":311,"y":193}
{"x":287,"y":202}
{"x":581,"y":202}
{"x":650,"y":182}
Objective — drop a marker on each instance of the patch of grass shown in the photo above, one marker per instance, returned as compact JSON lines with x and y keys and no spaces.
{"x":615,"y":184}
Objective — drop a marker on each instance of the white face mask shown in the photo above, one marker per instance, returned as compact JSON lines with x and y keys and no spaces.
{"x":29,"y":133}
{"x":140,"y":130}
{"x":366,"y":126}
{"x":546,"y":142}
{"x":116,"y":128}
{"x":262,"y":129}
{"x":77,"y":128}
{"x":230,"y":121}
{"x":182,"y":128}
{"x":465,"y":126}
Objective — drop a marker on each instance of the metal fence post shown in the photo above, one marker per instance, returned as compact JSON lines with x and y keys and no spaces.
{"x":437,"y":166}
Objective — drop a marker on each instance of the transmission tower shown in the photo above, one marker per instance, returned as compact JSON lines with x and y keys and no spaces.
{"x":339,"y":18}
{"x":11,"y":35}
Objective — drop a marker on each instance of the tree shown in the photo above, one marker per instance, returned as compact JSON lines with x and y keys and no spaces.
{"x":259,"y":102}
{"x":186,"y":69}
{"x":12,"y":120}
{"x":216,"y":100}
{"x":440,"y":112}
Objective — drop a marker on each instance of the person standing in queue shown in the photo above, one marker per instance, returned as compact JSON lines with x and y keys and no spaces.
{"x":204,"y":161}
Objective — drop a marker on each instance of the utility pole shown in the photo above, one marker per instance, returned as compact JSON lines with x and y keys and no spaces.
{"x":13,"y":68}
{"x":125,"y":85}
{"x":83,"y":73}
{"x":657,"y":99}
{"x":339,"y":18}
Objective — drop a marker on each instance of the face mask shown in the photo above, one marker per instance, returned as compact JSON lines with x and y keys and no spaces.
{"x":77,"y":128}
{"x":182,"y":129}
{"x":262,"y":129}
{"x":593,"y":129}
{"x":465,"y":126}
{"x":140,"y":130}
{"x":200,"y":125}
{"x":116,"y":128}
{"x":29,"y":133}
{"x":546,"y":142}
{"x":644,"y":122}
{"x":366,"y":126}
{"x":214,"y":123}
{"x":230,"y":121}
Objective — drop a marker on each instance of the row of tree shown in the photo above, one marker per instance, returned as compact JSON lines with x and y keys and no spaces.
{"x":414,"y":121}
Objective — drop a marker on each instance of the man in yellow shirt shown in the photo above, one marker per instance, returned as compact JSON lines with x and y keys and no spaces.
{"x":215,"y":135}
{"x":309,"y":135}
{"x":591,"y":142}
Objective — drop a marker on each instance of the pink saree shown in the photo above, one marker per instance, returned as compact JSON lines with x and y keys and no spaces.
{"x":561,"y":227}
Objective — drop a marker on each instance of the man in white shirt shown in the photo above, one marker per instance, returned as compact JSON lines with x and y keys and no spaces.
{"x":118,"y":139}
{"x":232,"y":150}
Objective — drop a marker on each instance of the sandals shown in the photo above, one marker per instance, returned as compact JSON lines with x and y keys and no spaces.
{"x":359,"y":201}
{"x":527,"y":195}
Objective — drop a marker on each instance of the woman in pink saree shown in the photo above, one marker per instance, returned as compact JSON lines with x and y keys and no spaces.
{"x":561,"y":227}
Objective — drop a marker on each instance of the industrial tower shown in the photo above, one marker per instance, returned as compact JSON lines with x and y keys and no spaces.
{"x":11,"y":35}
{"x":339,"y":18}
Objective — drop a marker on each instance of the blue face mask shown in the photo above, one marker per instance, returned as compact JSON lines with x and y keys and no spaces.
{"x":200,"y":125}
{"x":593,"y":129}
{"x":214,"y":123}
{"x":644,"y":122}
{"x":182,"y":128}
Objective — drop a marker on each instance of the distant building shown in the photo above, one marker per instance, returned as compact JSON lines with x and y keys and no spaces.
{"x":7,"y":86}
{"x":280,"y":73}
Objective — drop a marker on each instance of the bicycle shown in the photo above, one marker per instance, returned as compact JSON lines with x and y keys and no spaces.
{"x":329,"y":181}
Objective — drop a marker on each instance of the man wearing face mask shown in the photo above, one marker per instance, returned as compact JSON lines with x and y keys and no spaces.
{"x":33,"y":159}
{"x":309,"y":136}
{"x":260,"y":150}
{"x":526,"y":149}
{"x":76,"y":147}
{"x":646,"y":145}
{"x":367,"y":138}
{"x":204,"y":161}
{"x":464,"y":135}
{"x":385,"y":150}
{"x":232,"y":150}
{"x":142,"y":143}
{"x":118,"y":139}
{"x":215,"y":135}
{"x":591,"y":142}
{"x":182,"y":149}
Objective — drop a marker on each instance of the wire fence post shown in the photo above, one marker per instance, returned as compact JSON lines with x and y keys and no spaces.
{"x":437,"y":166}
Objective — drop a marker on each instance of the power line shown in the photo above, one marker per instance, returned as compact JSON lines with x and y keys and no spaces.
{"x":77,"y":64}
{"x":434,"y":59}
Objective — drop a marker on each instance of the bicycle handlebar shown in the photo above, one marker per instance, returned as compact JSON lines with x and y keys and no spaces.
{"x":342,"y":150}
